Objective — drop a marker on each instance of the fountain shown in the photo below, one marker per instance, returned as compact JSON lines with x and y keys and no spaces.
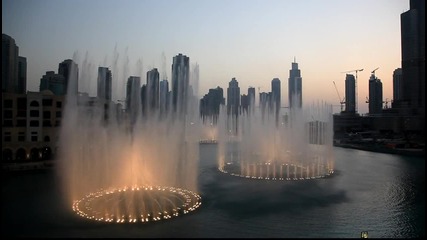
{"x":265,"y":145}
{"x":209,"y":133}
{"x":118,"y":167}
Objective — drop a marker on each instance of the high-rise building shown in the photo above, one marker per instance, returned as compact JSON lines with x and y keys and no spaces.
{"x":375,"y":95}
{"x":70,"y":70}
{"x":263,"y":99}
{"x":53,"y":82}
{"x":180,"y":82}
{"x":163,"y":96}
{"x":276,"y":99}
{"x":251,"y":95}
{"x":295,"y":87}
{"x":104,"y":87}
{"x":397,"y":85}
{"x":22,"y":75}
{"x":276,"y":94}
{"x":195,"y":79}
{"x":210,"y":104}
{"x":244,"y":104}
{"x":144,"y":99}
{"x":133,"y":97}
{"x":350,"y":93}
{"x":412,"y":24}
{"x":263,"y":102}
{"x":152,"y":90}
{"x":13,"y":67}
{"x":233,"y":97}
{"x":193,"y":92}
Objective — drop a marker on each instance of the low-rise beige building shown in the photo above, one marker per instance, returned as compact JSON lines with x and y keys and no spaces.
{"x":30,"y":125}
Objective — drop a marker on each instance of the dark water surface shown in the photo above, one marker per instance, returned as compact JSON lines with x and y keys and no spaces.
{"x":379,"y":193}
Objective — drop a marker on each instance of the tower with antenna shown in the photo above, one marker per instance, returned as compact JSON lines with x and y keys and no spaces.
{"x":295,"y":86}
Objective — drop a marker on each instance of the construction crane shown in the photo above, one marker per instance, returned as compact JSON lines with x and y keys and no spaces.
{"x":386,"y":103}
{"x":355,"y":83}
{"x":373,"y":71}
{"x":339,"y":97}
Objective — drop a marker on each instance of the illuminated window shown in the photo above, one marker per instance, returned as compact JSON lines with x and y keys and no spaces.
{"x":364,"y":234}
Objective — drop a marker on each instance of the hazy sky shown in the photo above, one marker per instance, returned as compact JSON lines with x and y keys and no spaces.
{"x":251,"y":40}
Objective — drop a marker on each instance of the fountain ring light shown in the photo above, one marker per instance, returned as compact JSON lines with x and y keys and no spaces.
{"x":136,"y":204}
{"x":276,"y":171}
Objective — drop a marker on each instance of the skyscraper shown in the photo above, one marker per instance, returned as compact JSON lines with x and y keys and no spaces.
{"x":244,"y":104}
{"x":276,"y":98}
{"x":53,"y":82}
{"x":251,"y":95}
{"x":195,"y":79}
{"x":413,"y":57}
{"x":350,"y":93}
{"x":104,"y":87}
{"x":263,"y":102}
{"x":276,"y":94}
{"x":263,"y":99}
{"x":70,"y":70}
{"x":375,"y":95}
{"x":164,"y":96}
{"x":152,"y":90}
{"x":22,"y":75}
{"x":13,"y":67}
{"x":295,"y":87}
{"x":397,"y":85}
{"x":210,"y":104}
{"x":180,"y":82}
{"x":233,"y":97}
{"x":143,"y":95}
{"x":133,"y":97}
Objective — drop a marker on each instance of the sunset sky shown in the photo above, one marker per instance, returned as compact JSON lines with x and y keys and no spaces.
{"x":251,"y":40}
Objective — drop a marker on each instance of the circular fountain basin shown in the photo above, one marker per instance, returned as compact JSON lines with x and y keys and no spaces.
{"x":276,"y":171}
{"x":137,"y":204}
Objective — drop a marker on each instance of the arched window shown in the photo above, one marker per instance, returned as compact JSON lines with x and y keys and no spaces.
{"x":35,"y":154}
{"x":47,"y":153}
{"x":34,"y":104}
{"x":21,"y":155}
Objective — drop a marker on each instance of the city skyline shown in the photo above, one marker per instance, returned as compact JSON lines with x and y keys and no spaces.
{"x":327,"y":38}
